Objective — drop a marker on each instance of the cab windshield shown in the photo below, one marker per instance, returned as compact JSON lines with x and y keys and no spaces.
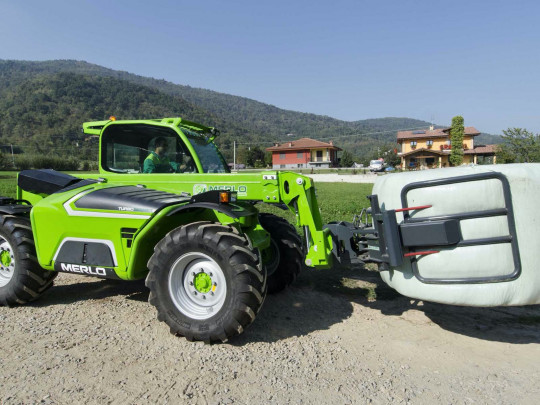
{"x":210,"y":157}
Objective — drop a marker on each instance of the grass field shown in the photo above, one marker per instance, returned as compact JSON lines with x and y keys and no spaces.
{"x":8,"y":184}
{"x":336,"y":201}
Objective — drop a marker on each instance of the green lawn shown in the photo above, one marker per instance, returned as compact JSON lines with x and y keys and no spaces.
{"x":336,"y":201}
{"x":8,"y":184}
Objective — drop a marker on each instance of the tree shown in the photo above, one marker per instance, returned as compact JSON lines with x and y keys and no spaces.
{"x":242,"y":155}
{"x":520,"y":146}
{"x":347,"y":159}
{"x":457,"y":131}
{"x":252,"y":156}
{"x":391,"y":155}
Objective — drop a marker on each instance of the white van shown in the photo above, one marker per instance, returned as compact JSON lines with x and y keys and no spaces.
{"x":376,"y":166}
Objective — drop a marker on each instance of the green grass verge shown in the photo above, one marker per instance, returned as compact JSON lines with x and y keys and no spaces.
{"x":338,"y":202}
{"x":8,"y":184}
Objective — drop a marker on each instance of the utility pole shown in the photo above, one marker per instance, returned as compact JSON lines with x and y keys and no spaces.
{"x":234,"y":154}
{"x":12,"y":157}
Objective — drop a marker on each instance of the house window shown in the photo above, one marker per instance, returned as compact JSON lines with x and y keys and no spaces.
{"x":413,"y":144}
{"x":299,"y":165}
{"x":429,"y":143}
{"x":282,"y":166}
{"x":299,"y":155}
{"x":282,"y":155}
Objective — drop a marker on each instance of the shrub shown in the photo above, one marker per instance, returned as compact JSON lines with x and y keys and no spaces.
{"x":69,"y":164}
{"x":5,"y":162}
{"x":92,"y":165}
{"x":24,"y":162}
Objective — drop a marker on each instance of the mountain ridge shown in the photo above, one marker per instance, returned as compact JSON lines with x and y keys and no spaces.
{"x":245,"y":120}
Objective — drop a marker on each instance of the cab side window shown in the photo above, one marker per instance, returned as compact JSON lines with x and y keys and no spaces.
{"x":132,"y":149}
{"x":167,"y":155}
{"x":123,"y":158}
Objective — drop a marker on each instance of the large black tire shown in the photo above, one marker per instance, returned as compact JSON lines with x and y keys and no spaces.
{"x":284,"y":259}
{"x":22,"y":280}
{"x":230,"y":265}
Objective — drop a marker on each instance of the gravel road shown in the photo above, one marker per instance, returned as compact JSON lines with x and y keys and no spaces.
{"x":334,"y":337}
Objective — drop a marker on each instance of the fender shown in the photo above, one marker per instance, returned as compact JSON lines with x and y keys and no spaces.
{"x":9,"y":206}
{"x":174,"y":216}
{"x":231,"y":210}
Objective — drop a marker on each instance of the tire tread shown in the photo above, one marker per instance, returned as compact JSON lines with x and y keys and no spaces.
{"x":290,"y":247}
{"x":30,"y":280}
{"x":248,"y":279}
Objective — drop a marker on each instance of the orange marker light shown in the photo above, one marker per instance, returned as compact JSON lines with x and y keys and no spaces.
{"x":112,"y":118}
{"x":224,"y":197}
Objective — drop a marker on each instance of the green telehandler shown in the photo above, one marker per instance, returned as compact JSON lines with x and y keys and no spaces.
{"x":192,"y":229}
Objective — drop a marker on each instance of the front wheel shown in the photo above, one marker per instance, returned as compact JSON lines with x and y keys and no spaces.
{"x":206,"y":281}
{"x":283,"y":259}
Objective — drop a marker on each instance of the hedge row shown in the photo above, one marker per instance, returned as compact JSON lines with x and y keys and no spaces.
{"x":26,"y":161}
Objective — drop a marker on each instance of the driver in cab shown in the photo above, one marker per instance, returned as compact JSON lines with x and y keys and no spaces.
{"x":158,"y":162}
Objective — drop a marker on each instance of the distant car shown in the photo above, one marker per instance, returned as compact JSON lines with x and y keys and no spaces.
{"x":376,"y":166}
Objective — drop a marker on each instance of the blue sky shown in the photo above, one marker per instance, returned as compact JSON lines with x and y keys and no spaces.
{"x":347,"y":59}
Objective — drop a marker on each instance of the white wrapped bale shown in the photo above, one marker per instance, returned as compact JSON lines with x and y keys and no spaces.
{"x":483,"y":274}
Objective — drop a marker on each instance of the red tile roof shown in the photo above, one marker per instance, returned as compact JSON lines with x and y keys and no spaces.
{"x":480,"y":149}
{"x":302,"y":144}
{"x":435,"y":133}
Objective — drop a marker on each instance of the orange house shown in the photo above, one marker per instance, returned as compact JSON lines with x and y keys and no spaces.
{"x":430,"y":148}
{"x":304,"y":153}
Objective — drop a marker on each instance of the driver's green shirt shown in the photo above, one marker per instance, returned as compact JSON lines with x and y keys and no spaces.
{"x":155,"y":164}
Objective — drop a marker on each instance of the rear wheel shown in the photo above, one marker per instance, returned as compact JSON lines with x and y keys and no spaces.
{"x":283,"y":259}
{"x":21,"y":278}
{"x":206,"y":281}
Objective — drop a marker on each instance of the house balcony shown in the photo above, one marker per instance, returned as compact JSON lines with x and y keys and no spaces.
{"x":320,"y":160}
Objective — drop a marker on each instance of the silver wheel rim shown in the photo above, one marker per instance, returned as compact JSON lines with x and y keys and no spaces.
{"x":197,"y":303}
{"x":7,"y":262}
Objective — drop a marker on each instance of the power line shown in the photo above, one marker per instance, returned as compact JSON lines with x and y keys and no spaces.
{"x":237,"y":143}
{"x":335,"y":137}
{"x":374,"y":133}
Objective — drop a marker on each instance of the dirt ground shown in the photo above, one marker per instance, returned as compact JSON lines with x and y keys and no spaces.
{"x":335,"y":337}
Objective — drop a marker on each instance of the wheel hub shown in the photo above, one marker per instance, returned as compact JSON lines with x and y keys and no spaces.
{"x":7,"y":262}
{"x":197,"y":285}
{"x":5,"y":258}
{"x":203,"y":282}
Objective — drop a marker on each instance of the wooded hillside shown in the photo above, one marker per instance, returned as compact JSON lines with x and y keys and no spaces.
{"x":42,"y":106}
